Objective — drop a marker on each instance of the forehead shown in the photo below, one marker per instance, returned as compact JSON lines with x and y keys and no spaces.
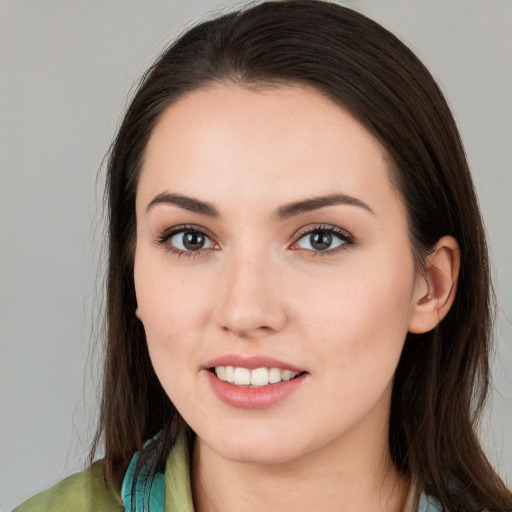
{"x":276,"y":142}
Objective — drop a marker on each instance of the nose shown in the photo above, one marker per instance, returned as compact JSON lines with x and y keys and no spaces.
{"x":252,"y":304}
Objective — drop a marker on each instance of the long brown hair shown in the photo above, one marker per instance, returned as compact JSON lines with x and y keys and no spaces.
{"x":442,"y":378}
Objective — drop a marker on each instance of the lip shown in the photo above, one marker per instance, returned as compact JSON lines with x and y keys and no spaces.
{"x":246,"y":397}
{"x":253,"y":398}
{"x":251,"y":362}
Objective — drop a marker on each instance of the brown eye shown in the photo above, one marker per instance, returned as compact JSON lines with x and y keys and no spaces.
{"x":324,"y":240}
{"x":188,"y":240}
{"x":192,"y":240}
{"x":320,"y":241}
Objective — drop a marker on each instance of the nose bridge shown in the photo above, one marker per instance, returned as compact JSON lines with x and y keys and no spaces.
{"x":251,"y":301}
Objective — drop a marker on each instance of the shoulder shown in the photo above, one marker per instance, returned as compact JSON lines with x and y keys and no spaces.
{"x":82,"y":492}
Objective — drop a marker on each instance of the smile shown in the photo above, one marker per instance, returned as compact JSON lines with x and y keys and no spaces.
{"x":257,"y":377}
{"x":253,"y":381}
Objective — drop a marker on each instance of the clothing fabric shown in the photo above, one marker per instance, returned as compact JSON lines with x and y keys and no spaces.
{"x":82,"y":492}
{"x":170,"y":492}
{"x":167,"y":493}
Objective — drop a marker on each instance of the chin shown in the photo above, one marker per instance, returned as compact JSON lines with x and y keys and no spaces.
{"x":256,"y":447}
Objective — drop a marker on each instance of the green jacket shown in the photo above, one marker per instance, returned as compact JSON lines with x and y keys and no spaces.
{"x":81,"y":492}
{"x":89,"y":492}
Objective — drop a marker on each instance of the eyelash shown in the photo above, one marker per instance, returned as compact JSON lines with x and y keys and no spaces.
{"x":346,"y":238}
{"x":163,"y":238}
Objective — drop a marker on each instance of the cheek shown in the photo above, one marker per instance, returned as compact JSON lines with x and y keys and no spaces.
{"x":170,"y":308}
{"x":362,"y":293}
{"x":165,"y":297}
{"x":360,"y":317}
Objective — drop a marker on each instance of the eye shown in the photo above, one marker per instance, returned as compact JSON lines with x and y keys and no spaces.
{"x":190,"y":241}
{"x":324,"y":239}
{"x":185,"y":240}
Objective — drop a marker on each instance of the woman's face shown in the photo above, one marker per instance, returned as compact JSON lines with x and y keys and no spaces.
{"x":272,"y":248}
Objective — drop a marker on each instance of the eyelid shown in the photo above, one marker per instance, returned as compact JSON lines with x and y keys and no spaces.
{"x":162,"y":239}
{"x":343,"y":234}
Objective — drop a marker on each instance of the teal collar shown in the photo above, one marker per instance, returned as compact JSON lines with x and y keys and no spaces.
{"x":429,"y":504}
{"x":169,"y":492}
{"x":142,"y":495}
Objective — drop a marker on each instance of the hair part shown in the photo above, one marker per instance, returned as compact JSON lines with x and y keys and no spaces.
{"x":364,"y":68}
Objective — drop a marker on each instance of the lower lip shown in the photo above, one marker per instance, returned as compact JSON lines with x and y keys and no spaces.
{"x":254,"y":398}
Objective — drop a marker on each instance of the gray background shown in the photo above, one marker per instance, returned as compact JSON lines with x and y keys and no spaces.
{"x":66,"y":68}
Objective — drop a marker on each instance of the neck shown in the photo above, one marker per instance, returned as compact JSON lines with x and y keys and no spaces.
{"x":341,"y":475}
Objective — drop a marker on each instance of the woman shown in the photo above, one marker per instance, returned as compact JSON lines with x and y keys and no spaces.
{"x":298,"y":287}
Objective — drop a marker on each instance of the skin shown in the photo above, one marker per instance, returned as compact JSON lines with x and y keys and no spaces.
{"x":259,"y":287}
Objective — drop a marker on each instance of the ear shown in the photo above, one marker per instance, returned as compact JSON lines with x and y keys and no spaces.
{"x":435,"y":290}
{"x":137,"y":314}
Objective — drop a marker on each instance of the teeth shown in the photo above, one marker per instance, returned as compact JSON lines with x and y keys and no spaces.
{"x":259,"y":377}
{"x":255,"y":378}
{"x":287,"y":374}
{"x":230,"y":374}
{"x":221,"y":373}
{"x":242,"y":377}
{"x":274,"y":375}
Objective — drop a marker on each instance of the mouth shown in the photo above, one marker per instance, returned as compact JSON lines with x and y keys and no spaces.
{"x":253,"y":378}
{"x":253,"y":381}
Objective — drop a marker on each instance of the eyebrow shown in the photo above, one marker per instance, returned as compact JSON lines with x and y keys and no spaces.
{"x":282,"y":213}
{"x":307,"y":205}
{"x":185,"y":202}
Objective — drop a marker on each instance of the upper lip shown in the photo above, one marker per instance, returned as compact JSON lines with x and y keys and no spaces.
{"x":251,"y":362}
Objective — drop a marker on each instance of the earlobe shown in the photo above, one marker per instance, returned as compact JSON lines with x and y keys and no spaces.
{"x":137,"y":314}
{"x":435,"y":290}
